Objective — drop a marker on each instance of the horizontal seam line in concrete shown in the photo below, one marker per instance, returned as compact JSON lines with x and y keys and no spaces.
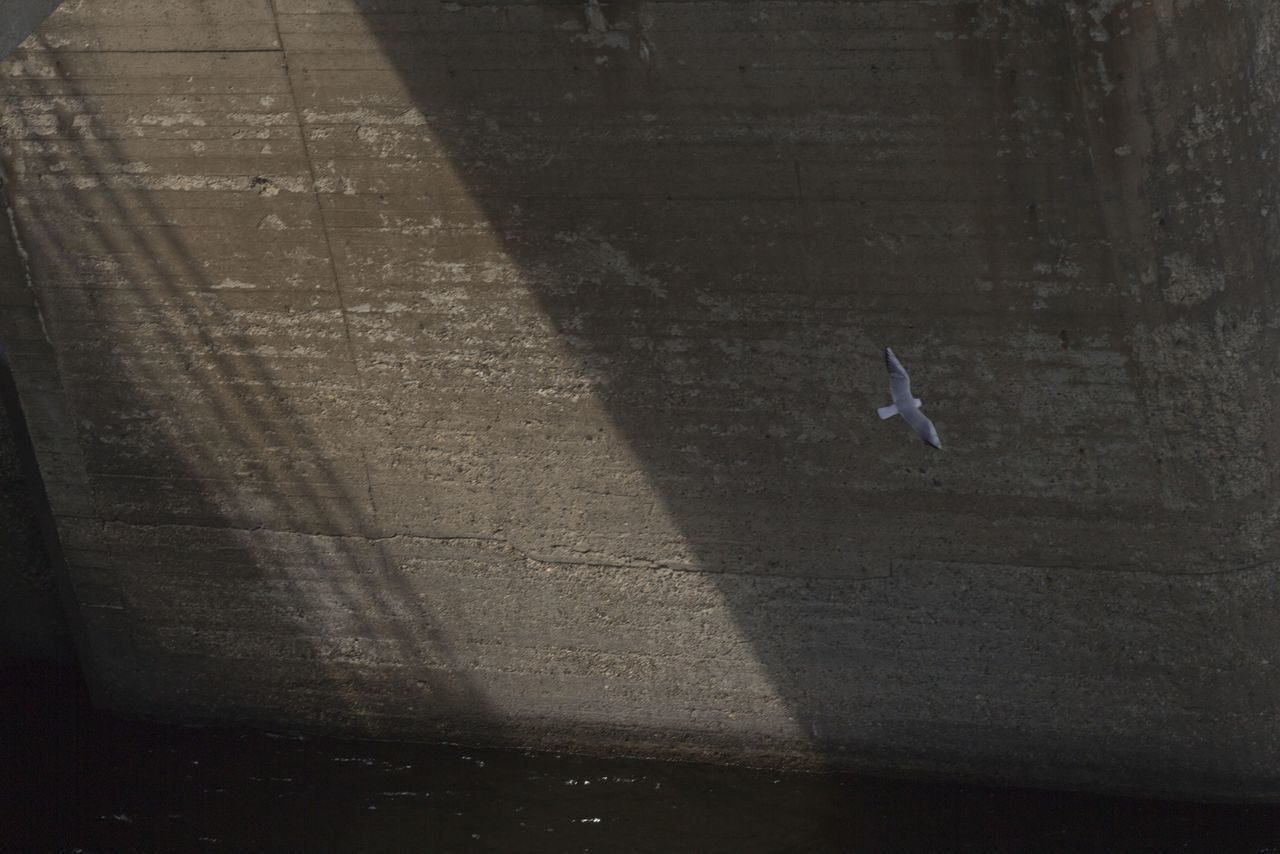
{"x":528,"y":555}
{"x":1267,"y":565}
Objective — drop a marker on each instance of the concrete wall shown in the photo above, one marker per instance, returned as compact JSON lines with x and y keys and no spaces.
{"x":509,"y":372}
{"x":33,"y":625}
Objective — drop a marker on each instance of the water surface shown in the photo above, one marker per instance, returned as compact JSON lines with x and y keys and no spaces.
{"x":76,"y":780}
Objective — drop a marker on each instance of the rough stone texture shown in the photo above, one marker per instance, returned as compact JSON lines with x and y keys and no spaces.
{"x":508,"y":370}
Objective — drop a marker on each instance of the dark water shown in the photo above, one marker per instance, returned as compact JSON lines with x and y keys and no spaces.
{"x":74,"y":780}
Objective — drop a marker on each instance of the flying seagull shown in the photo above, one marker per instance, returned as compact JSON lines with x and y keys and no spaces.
{"x":904,"y":404}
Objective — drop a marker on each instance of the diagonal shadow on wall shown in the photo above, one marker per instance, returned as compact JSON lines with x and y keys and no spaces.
{"x":724,"y":212}
{"x":224,"y":563}
{"x":563,"y":306}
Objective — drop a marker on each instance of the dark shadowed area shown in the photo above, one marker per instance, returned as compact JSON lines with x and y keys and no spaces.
{"x":79,"y":780}
{"x":20,"y":19}
{"x":33,"y":625}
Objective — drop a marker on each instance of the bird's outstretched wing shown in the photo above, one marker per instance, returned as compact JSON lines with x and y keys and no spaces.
{"x":899,"y":382}
{"x":923,"y":426}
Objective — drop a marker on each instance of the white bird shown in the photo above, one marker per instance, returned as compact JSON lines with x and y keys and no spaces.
{"x":904,"y":404}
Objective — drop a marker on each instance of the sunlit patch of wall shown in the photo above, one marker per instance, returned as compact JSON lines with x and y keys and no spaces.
{"x":164,"y":205}
{"x":328,"y":440}
{"x":585,"y":577}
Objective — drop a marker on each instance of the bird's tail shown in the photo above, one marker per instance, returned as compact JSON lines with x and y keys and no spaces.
{"x":887,"y":411}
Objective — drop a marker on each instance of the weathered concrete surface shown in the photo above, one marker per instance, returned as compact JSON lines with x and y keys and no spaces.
{"x":509,"y":371}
